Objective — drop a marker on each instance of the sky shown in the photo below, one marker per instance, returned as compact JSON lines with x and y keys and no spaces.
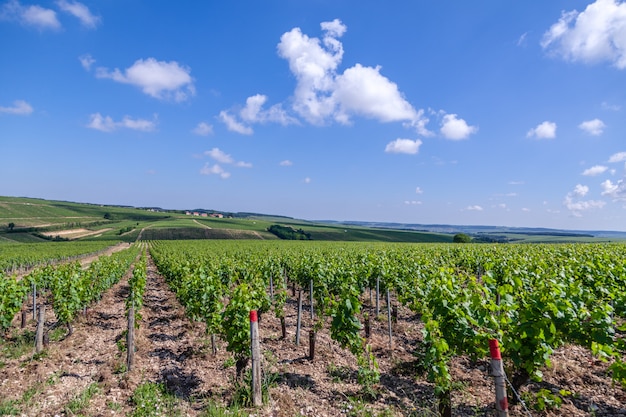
{"x":491,"y":112}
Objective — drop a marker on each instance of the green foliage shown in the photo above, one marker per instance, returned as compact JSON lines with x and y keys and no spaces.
{"x":152,"y":400}
{"x":462,"y":238}
{"x":288,"y":232}
{"x":137,"y":286}
{"x":81,"y":401}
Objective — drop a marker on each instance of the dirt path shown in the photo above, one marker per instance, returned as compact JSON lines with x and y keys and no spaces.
{"x":201,"y":224}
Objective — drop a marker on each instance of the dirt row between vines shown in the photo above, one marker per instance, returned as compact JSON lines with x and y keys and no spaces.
{"x":176,"y":352}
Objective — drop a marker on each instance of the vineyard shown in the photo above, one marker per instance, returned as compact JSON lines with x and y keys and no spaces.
{"x":346,"y":329}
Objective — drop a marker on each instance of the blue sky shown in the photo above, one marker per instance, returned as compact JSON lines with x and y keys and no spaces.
{"x":490,"y":112}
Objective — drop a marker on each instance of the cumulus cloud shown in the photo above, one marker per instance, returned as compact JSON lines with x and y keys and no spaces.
{"x":615,"y":190}
{"x":595,"y":170}
{"x":80,"y":11}
{"x":34,"y":16}
{"x":545,"y":130}
{"x":224,"y":159}
{"x":215,"y":169}
{"x":286,"y":163}
{"x":203,"y":129}
{"x":19,"y":107}
{"x":574,"y":203}
{"x":233,"y":125}
{"x":107,"y":124}
{"x":593,"y":127}
{"x":456,"y":129}
{"x":307,"y":180}
{"x":322,"y":93}
{"x":407,"y":146}
{"x":158,"y":79}
{"x":86,"y":61}
{"x":220,"y":156}
{"x":418,"y":190}
{"x":253,"y":112}
{"x":412,"y":202}
{"x":598,"y":34}
{"x":617,"y":157}
{"x":474,"y":208}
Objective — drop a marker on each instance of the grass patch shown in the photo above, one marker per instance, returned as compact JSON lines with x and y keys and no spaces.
{"x":216,"y":410}
{"x":18,"y":344}
{"x":79,"y":403}
{"x":151,"y":399}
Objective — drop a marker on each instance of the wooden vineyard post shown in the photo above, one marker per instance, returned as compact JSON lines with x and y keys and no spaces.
{"x":367,"y":326}
{"x":40,"y":328}
{"x":257,"y":398}
{"x":130,"y":340}
{"x":23,"y":323}
{"x":299,"y":319}
{"x":497,"y":371}
{"x":283,"y":327}
{"x":389,"y":319}
{"x":311,"y":345}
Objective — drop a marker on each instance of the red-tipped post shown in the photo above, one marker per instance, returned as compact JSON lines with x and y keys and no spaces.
{"x":257,"y":398}
{"x":497,"y":371}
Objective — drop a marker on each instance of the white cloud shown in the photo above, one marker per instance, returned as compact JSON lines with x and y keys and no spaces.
{"x":19,"y":107}
{"x":474,"y":208}
{"x":233,"y":125}
{"x":364,"y":91}
{"x":224,"y":158}
{"x":407,"y":146}
{"x":307,"y":180}
{"x":516,"y":182}
{"x":35,"y":16}
{"x":576,"y":206}
{"x":286,"y":163}
{"x":595,"y":170}
{"x":106,"y":123}
{"x":158,"y":79}
{"x":455,"y":128}
{"x":86,"y":61}
{"x":522,"y":39}
{"x":253,"y":112}
{"x":80,"y":11}
{"x":597,"y":34}
{"x":418,"y":190}
{"x":545,"y":130}
{"x":203,"y":129}
{"x":209,"y":169}
{"x":413,"y":203}
{"x":616,"y":191}
{"x":593,"y":127}
{"x":618,"y":157}
{"x":580,"y":190}
{"x":322,"y":93}
{"x":611,"y":107}
{"x":220,"y":156}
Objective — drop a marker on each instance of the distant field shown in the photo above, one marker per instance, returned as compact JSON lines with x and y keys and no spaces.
{"x":29,"y":220}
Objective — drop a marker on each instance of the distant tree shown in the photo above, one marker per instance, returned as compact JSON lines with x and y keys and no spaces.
{"x":462,"y":238}
{"x":11,"y":226}
{"x":107,"y":216}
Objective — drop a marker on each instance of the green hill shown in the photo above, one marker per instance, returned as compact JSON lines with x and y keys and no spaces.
{"x":32,"y":220}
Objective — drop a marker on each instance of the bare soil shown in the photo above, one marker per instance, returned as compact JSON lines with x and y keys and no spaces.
{"x":176,"y":352}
